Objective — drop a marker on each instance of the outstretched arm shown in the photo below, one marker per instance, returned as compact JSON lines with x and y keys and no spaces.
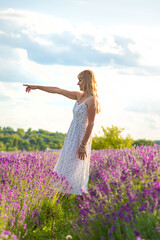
{"x":43,"y":88}
{"x":70,"y":94}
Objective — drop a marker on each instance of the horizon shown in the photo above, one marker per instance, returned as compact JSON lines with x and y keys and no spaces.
{"x":15,"y":130}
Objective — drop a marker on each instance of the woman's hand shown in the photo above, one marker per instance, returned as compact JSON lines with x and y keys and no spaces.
{"x":82,"y":152}
{"x":30,"y":87}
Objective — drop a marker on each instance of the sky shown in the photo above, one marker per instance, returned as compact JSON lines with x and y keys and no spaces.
{"x":49,"y":42}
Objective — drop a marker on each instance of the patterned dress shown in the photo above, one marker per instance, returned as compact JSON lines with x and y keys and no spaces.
{"x":69,"y":165}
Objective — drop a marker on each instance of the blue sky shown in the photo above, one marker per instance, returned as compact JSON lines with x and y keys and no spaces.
{"x":50,"y":42}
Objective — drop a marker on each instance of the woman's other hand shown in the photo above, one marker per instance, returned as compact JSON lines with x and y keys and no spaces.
{"x":82,"y":152}
{"x":30,"y":87}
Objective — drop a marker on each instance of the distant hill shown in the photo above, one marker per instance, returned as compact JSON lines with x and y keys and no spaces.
{"x":31,"y":140}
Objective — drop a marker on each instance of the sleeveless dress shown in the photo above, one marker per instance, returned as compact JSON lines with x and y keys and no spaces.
{"x":69,"y":165}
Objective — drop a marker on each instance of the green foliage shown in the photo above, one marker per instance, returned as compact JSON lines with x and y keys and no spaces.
{"x":2,"y":146}
{"x":54,"y":220}
{"x":112,"y":139}
{"x":21,"y":132}
{"x":144,"y":142}
{"x":31,"y":140}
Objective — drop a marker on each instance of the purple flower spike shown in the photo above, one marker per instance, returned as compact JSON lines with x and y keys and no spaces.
{"x":7,"y":232}
{"x":158,"y":229}
{"x":137,"y":233}
{"x":114,"y":228}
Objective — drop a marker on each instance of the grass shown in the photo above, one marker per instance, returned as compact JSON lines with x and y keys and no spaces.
{"x":55,"y":220}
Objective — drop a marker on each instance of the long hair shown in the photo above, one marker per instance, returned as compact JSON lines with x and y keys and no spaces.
{"x":90,"y":85}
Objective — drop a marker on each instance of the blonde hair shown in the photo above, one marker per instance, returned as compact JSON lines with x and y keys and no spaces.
{"x":91,"y":85}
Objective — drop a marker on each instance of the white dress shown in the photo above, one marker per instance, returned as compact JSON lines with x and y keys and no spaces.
{"x":69,"y":165}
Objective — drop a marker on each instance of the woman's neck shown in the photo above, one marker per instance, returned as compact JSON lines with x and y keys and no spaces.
{"x":86,"y":94}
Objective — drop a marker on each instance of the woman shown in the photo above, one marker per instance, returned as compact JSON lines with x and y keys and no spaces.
{"x":74,"y":159}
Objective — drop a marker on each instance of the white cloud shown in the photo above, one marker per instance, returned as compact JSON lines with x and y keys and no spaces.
{"x":153,"y":121}
{"x":15,"y":66}
{"x":63,"y":42}
{"x":32,"y":22}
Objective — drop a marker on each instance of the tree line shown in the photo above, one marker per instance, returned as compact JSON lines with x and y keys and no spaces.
{"x":31,"y":140}
{"x":40,"y":139}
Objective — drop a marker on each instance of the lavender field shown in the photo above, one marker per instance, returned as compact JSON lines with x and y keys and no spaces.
{"x":123,"y":200}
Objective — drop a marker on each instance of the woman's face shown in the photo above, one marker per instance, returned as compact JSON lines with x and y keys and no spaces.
{"x":81,"y":83}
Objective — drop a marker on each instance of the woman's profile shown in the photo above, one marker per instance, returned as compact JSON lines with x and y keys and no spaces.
{"x":74,"y":158}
